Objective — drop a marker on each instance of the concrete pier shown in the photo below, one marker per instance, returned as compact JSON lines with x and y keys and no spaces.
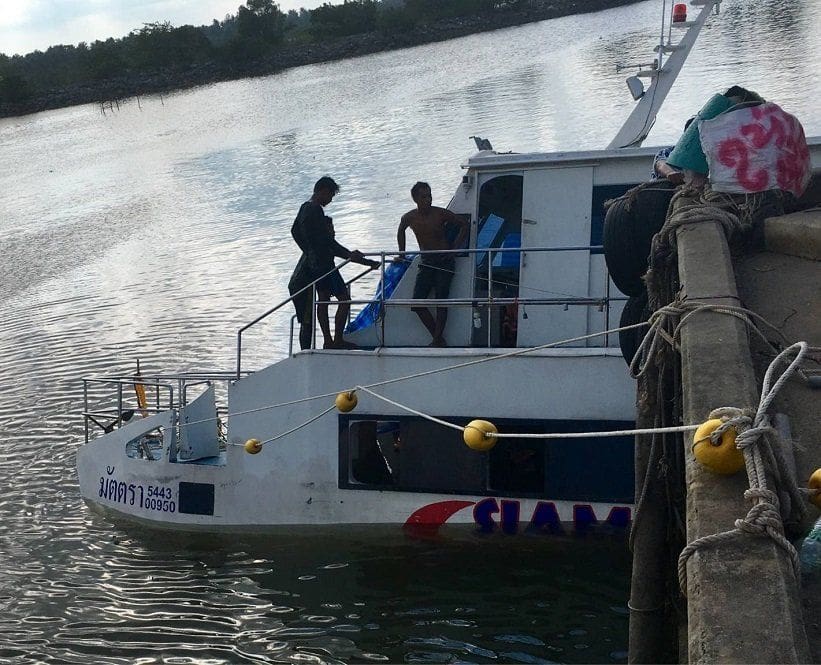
{"x":782,"y":284}
{"x":744,"y":601}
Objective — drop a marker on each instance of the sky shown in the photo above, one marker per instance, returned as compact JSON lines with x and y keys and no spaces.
{"x":28,"y":25}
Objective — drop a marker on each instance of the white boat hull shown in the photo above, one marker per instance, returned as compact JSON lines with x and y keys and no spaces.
{"x":296,"y":479}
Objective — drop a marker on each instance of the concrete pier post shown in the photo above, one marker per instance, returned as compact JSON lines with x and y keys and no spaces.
{"x":743,"y":598}
{"x":652,"y":633}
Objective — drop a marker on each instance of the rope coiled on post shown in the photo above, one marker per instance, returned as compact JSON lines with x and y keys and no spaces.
{"x":754,"y":438}
{"x":662,"y":319}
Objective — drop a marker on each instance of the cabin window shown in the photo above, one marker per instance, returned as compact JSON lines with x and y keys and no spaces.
{"x":602,"y":194}
{"x":412,"y":454}
{"x":373,"y":445}
{"x":517,"y":467}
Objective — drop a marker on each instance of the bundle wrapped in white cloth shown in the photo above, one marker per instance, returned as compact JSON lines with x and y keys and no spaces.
{"x":756,"y":148}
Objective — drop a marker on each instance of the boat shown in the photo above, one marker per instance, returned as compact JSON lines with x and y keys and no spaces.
{"x":399,"y":432}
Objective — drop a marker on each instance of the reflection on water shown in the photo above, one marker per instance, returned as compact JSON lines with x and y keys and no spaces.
{"x":157,"y":231}
{"x":369,"y":596}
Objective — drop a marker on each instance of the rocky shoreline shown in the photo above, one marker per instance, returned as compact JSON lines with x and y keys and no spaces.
{"x":110,"y":90}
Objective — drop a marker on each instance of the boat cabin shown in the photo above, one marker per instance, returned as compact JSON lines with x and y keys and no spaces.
{"x":534,"y":269}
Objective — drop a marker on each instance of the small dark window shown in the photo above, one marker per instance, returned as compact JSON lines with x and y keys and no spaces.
{"x":517,"y":467}
{"x":436,"y":459}
{"x":409,"y":454}
{"x":372,"y":445}
{"x":416,"y":455}
{"x":196,"y":498}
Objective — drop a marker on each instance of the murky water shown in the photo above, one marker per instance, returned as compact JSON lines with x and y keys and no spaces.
{"x":157,"y":230}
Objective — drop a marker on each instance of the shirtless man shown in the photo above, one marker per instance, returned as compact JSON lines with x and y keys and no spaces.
{"x":428,"y":223}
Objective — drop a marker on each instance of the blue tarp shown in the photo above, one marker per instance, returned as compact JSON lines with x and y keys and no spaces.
{"x":508,"y":259}
{"x":487,"y":236}
{"x":369,"y":315}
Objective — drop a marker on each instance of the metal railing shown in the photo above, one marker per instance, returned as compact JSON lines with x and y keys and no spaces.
{"x":112,"y":408}
{"x":490,"y":300}
{"x":290,"y":299}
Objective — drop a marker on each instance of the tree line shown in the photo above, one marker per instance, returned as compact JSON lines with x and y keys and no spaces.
{"x":258,"y":32}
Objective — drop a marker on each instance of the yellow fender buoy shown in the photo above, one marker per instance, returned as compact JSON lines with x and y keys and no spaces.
{"x":815,"y":484}
{"x":724,"y":458}
{"x":476,"y":435}
{"x":346,"y":401}
{"x":253,"y":446}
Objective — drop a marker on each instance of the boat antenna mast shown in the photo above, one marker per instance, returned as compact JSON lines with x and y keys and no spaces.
{"x":662,"y":74}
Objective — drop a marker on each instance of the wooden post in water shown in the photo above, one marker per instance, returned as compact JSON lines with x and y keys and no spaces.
{"x":652,"y":630}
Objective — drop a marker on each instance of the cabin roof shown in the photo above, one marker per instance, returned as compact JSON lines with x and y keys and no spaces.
{"x":488,"y":159}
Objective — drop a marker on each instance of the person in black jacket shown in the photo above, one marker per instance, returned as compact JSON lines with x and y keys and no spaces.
{"x":313,"y":231}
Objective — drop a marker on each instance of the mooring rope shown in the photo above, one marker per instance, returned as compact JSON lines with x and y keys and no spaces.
{"x":754,"y":439}
{"x":297,"y":428}
{"x":648,"y":346}
{"x":543,"y":435}
{"x":431,"y":372}
{"x":706,"y":206}
{"x":685,"y":309}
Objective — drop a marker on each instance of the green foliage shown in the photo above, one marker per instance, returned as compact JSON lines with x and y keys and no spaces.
{"x":158,"y":45}
{"x":258,"y":31}
{"x":259,"y":27}
{"x":394,"y":21}
{"x":352,"y":17}
{"x":104,"y":60}
{"x":14,"y":89}
{"x":427,"y":11}
{"x":260,"y":20}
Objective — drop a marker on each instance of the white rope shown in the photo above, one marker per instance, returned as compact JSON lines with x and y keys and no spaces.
{"x":489,"y":435}
{"x":764,"y":517}
{"x":650,"y":341}
{"x":407,"y":377}
{"x":584,"y":435}
{"x":544,"y":435}
{"x":295,"y":429}
{"x":433,"y":419}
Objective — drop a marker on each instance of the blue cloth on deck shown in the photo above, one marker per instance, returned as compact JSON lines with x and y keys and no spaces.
{"x":487,"y":236}
{"x":370,"y":313}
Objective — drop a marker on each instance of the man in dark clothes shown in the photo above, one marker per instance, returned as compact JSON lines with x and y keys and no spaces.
{"x":428,"y":223}
{"x":314,"y":233}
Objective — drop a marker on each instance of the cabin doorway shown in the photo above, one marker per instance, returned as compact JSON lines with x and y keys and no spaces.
{"x":497,"y":272}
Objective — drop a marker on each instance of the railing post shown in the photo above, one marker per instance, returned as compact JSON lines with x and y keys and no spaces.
{"x":239,"y":354}
{"x":85,"y":407}
{"x":314,"y":319}
{"x":382,"y":311}
{"x":606,"y":307}
{"x":119,"y":404}
{"x":489,"y":292}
